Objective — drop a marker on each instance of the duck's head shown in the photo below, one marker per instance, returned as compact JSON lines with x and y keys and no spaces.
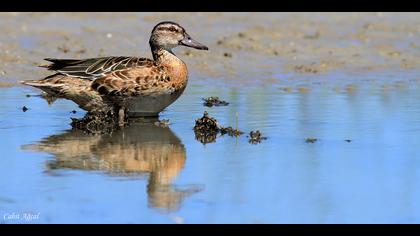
{"x":168,"y":35}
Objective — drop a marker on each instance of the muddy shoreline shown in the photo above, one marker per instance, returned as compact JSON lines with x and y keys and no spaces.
{"x":245,"y":48}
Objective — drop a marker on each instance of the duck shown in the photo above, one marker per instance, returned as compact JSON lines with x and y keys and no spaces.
{"x":130,"y":86}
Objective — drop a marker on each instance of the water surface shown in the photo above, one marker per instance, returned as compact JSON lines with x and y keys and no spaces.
{"x":149,"y":174}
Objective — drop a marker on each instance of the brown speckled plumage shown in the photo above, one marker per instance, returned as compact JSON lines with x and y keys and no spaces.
{"x":97,"y":84}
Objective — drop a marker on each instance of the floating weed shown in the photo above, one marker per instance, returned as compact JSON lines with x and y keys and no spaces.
{"x":231,"y":131}
{"x":255,"y":137}
{"x":311,"y":140}
{"x":206,"y":129}
{"x":214,"y":101}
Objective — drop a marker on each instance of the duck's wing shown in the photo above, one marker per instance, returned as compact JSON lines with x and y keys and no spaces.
{"x":94,"y":67}
{"x":133,"y":82}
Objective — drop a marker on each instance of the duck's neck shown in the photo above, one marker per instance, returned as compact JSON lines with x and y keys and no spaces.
{"x":162,"y":55}
{"x":167,"y":58}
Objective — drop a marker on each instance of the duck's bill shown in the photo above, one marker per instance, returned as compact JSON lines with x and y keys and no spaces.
{"x":189,"y":42}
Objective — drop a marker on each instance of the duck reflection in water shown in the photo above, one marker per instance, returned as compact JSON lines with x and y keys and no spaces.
{"x":141,"y":148}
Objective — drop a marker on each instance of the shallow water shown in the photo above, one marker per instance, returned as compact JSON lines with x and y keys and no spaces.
{"x":148,"y":174}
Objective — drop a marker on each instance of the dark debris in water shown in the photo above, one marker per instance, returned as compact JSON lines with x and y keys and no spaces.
{"x":24,"y":109}
{"x":230,"y":131}
{"x":207,"y":128}
{"x":205,"y":137}
{"x":255,"y":137}
{"x":348,"y":140}
{"x":97,"y":123}
{"x":214,"y":101}
{"x":311,"y":140}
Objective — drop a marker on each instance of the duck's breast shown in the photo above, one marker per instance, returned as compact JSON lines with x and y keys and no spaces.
{"x":173,"y":74}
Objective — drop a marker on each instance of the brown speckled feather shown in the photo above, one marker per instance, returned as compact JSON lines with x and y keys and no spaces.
{"x":95,"y":67}
{"x":134,"y":82}
{"x":150,"y":78}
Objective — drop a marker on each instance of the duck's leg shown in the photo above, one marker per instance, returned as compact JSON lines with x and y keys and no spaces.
{"x":121,"y":116}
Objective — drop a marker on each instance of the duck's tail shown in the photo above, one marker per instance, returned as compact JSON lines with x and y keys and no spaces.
{"x":50,"y":85}
{"x":51,"y":92}
{"x":75,"y":89}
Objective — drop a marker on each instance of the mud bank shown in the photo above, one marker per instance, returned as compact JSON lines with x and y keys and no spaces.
{"x":245,"y":48}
